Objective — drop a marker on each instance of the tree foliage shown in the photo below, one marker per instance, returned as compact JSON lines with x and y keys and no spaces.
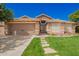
{"x":5,"y":14}
{"x":74,"y":16}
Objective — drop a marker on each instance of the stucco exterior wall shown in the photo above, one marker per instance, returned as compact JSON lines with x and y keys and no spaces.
{"x":55,"y":28}
{"x":69,"y":28}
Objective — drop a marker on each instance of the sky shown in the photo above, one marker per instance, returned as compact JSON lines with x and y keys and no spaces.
{"x":54,"y":10}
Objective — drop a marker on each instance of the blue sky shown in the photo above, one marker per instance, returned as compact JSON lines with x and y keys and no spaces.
{"x":55,"y":10}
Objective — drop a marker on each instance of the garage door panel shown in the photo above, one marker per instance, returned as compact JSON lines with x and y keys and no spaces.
{"x":22,"y":29}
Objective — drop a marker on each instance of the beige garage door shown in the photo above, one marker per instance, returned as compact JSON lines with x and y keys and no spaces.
{"x":23,"y":29}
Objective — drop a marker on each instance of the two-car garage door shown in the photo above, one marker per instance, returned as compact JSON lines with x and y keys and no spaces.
{"x":22,"y":29}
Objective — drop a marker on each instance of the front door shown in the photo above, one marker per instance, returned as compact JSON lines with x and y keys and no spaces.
{"x":43,"y":27}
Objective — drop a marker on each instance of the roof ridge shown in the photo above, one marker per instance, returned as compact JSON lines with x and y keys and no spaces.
{"x":44,"y":15}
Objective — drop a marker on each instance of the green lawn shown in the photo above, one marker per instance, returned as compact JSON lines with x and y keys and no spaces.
{"x":34,"y":49}
{"x":65,"y":46}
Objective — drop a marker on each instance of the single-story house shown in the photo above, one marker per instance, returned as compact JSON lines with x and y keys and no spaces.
{"x":42,"y":24}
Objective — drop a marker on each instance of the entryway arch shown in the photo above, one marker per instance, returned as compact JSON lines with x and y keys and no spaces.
{"x":43,"y":24}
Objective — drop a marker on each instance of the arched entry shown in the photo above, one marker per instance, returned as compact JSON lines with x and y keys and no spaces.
{"x":77,"y":29}
{"x":43,"y":24}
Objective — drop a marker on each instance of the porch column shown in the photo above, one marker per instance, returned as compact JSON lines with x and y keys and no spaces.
{"x":37,"y":29}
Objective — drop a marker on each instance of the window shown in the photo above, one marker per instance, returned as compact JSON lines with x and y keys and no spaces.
{"x":56,"y":27}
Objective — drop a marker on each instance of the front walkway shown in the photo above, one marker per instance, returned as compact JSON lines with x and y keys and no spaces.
{"x":14,"y":46}
{"x":46,"y":46}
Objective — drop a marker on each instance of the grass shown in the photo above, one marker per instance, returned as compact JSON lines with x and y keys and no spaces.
{"x":65,"y":46}
{"x":34,"y":49}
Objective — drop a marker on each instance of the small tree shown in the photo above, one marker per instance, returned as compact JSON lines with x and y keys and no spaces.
{"x":74,"y":16}
{"x":5,"y":14}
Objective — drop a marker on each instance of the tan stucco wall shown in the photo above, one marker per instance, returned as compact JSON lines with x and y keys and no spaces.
{"x":67,"y":26}
{"x":51,"y":31}
{"x":63,"y":28}
{"x":48,"y":29}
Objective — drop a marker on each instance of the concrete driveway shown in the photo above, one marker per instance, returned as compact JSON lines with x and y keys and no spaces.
{"x":14,"y":45}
